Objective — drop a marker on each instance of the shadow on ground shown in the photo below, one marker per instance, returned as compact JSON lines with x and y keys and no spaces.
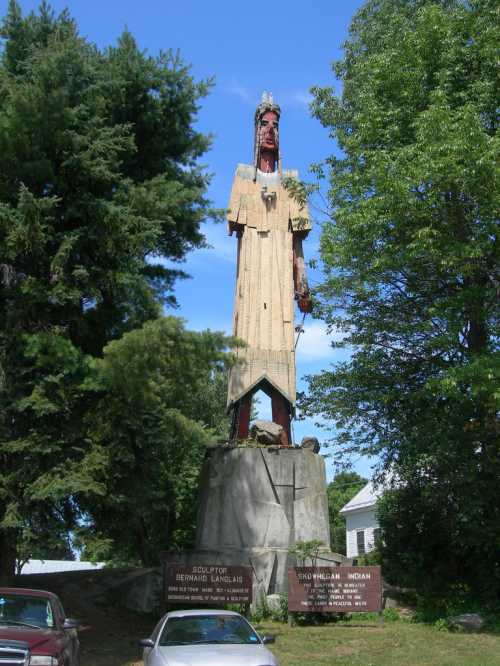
{"x":110,"y":634}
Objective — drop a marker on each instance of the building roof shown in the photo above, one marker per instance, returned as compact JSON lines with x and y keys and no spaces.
{"x":55,"y":566}
{"x":365,"y":499}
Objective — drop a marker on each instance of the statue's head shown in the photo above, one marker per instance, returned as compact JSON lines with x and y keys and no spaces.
{"x":268,"y":138}
{"x":266,"y":144}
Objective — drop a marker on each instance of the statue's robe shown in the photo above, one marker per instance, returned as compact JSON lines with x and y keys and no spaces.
{"x":265,"y":218}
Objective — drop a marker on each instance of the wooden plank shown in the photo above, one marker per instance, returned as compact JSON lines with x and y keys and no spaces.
{"x":264,"y":298}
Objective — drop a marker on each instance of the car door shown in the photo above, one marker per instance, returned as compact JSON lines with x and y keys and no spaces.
{"x":69,"y":637}
{"x":146,"y":655}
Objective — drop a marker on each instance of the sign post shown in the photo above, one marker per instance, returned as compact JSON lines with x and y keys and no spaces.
{"x":208,"y":584}
{"x":334,"y":589}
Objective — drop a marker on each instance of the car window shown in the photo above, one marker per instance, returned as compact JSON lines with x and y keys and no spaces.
{"x":193,"y":629}
{"x":22,"y":609}
{"x":59,"y":610}
{"x":157,"y":629}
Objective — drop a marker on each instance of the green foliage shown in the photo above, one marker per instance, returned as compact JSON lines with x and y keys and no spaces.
{"x":264,"y":611}
{"x":280,"y":614}
{"x":373,"y":558}
{"x":492,"y":622}
{"x":44,"y":537}
{"x":391,"y":615}
{"x":342,"y":489}
{"x":388,"y":615}
{"x":448,"y":524}
{"x":98,"y":181}
{"x":315,"y":619}
{"x":307,"y":550}
{"x":442,"y":624}
{"x":152,"y":422}
{"x":411,"y":261}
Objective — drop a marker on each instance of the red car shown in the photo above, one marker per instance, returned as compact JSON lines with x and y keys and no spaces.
{"x":34,"y":630}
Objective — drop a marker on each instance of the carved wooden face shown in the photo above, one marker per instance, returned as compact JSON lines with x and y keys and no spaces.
{"x":269,"y":131}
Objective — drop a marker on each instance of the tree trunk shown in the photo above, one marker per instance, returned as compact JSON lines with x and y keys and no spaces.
{"x":7,"y":556}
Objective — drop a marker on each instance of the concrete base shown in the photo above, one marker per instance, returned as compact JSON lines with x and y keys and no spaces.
{"x":255,"y":504}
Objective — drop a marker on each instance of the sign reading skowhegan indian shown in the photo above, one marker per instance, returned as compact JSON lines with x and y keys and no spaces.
{"x":213,"y":584}
{"x":334,"y":589}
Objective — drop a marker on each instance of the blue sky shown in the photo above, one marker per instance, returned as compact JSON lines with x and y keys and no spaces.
{"x":284,"y":46}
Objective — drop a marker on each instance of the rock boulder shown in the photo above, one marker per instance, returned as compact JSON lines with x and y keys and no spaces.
{"x":310,"y":443}
{"x":470,"y":622}
{"x":266,"y":432}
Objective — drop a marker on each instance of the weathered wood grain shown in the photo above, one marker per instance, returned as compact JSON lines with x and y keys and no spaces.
{"x":265,"y":217}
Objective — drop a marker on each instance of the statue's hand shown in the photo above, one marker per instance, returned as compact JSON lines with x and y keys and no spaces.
{"x":305,"y":303}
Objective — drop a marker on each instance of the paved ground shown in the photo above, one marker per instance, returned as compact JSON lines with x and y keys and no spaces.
{"x":110,"y":635}
{"x":112,"y":638}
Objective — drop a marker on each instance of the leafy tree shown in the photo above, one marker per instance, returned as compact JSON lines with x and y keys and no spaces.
{"x":152,"y":424}
{"x":307,"y":550}
{"x":411,"y":261}
{"x":43,"y":537}
{"x":342,"y":489}
{"x":98,"y":179}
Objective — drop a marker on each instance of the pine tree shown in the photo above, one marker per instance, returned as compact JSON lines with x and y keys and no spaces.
{"x":98,"y":180}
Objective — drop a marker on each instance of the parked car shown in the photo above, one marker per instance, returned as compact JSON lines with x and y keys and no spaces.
{"x":34,"y":630}
{"x":206,"y":638}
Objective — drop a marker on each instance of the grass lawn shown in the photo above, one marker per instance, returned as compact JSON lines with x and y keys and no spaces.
{"x":368,"y":644}
{"x":112,"y":641}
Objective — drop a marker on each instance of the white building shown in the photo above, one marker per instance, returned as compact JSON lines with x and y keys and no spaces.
{"x":57,"y":566}
{"x":361,"y":521}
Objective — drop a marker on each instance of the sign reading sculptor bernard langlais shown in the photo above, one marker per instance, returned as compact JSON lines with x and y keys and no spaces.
{"x":334,"y":589}
{"x":214,"y":584}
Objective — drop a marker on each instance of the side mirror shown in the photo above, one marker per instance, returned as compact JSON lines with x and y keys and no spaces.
{"x":71,"y":623}
{"x":146,"y":643}
{"x":268,"y":639}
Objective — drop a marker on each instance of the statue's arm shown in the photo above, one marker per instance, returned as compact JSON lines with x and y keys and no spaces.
{"x":233,"y":209}
{"x":302,"y":294}
{"x":237,"y":210}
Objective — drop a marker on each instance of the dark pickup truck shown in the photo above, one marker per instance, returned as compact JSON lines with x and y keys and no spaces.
{"x":34,"y":630}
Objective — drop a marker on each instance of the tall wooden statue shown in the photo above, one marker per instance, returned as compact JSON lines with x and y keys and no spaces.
{"x":270,"y":226}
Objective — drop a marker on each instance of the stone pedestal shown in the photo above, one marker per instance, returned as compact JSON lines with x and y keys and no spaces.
{"x":255,"y":504}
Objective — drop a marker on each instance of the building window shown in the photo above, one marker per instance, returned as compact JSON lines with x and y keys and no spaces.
{"x":377,"y":533}
{"x":360,"y":537}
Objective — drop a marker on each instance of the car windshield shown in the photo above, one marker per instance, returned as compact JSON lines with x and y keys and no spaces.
{"x":26,"y":610}
{"x":193,"y":629}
